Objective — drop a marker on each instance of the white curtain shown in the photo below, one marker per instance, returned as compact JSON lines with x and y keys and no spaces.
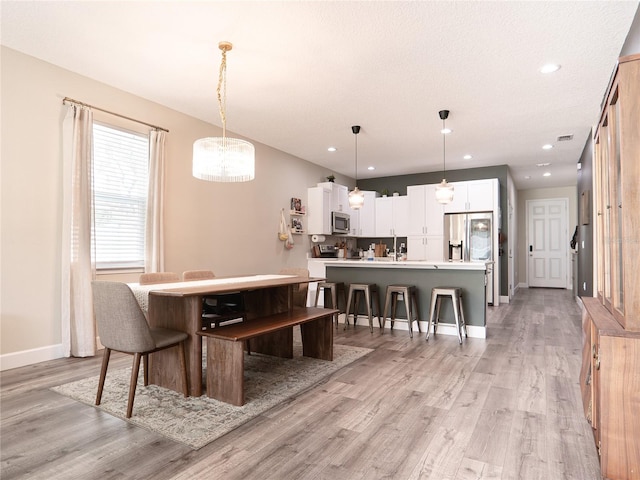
{"x":154,"y":231}
{"x":78,"y":266}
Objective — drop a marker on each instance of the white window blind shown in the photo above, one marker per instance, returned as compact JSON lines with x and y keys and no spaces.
{"x":120,"y":179}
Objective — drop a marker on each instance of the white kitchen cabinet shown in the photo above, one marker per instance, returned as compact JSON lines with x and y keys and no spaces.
{"x":482,"y":195}
{"x":363,"y":221}
{"x":425,"y":247}
{"x":474,"y":196}
{"x":339,"y":196}
{"x":426,"y":215}
{"x":318,"y":211}
{"x":392,"y":216}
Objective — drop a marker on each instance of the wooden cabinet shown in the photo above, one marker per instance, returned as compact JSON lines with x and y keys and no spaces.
{"x":610,"y":383}
{"x":610,"y":374}
{"x":616,"y":155}
{"x":392,"y":216}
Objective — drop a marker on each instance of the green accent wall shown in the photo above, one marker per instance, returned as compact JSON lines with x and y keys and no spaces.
{"x":399,"y":183}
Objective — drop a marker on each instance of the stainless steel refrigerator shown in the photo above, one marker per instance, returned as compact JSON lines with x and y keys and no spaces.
{"x":468,"y":237}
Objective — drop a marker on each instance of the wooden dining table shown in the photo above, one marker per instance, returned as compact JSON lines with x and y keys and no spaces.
{"x":179,"y":306}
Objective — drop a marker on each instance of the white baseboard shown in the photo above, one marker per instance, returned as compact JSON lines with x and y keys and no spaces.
{"x":523,"y":285}
{"x":504,"y":299}
{"x":473,"y":331}
{"x":29,"y":357}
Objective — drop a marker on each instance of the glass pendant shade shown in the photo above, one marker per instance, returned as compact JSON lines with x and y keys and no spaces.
{"x":444,"y":192}
{"x":223,"y":159}
{"x":356,"y":199}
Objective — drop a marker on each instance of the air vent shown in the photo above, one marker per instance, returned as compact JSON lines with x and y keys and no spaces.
{"x":565,"y":138}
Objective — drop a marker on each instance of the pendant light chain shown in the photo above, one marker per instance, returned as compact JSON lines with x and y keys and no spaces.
{"x":222,"y":90}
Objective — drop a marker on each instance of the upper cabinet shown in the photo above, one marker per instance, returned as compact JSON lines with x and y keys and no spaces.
{"x":392,"y":216}
{"x":318,"y":211}
{"x":425,"y":213}
{"x":617,"y":171}
{"x":474,"y":196}
{"x":339,"y":196}
{"x":363,"y":221}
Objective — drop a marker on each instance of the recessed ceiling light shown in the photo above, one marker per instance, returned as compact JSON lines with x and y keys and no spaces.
{"x":546,"y":164}
{"x":332,"y":149}
{"x":371,"y":168}
{"x":467,"y":157}
{"x":546,"y":174}
{"x":446,"y":130}
{"x":550,"y":68}
{"x":548,"y":146}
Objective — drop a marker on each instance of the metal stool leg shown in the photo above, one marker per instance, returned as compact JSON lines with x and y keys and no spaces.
{"x":432,"y":312}
{"x":462,"y":321}
{"x":387,"y":301}
{"x":367,"y":298}
{"x":348,"y":307}
{"x":416,"y":309}
{"x":334,"y":301}
{"x":407,"y":308}
{"x":456,"y":314}
{"x":378,"y":311}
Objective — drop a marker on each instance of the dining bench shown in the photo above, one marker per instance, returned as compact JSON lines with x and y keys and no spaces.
{"x":271,"y":335}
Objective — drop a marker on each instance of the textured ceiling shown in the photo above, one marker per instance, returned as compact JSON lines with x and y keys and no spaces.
{"x":301,"y":73}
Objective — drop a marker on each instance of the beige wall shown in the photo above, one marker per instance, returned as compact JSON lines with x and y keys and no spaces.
{"x":229,"y":228}
{"x":538,"y":194}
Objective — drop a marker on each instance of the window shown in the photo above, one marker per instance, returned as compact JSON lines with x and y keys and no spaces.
{"x":120,"y":179}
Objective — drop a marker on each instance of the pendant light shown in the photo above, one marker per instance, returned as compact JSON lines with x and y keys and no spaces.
{"x":356,"y":197}
{"x":222,"y":159}
{"x":444,"y":190}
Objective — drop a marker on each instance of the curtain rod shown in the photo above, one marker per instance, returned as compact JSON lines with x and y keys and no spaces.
{"x":71,"y":100}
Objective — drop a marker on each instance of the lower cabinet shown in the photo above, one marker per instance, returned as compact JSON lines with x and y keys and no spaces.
{"x":430,"y":248}
{"x":610,"y":386}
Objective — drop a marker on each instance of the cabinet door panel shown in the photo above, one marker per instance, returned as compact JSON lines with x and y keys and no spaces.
{"x":480,"y":196}
{"x":384,"y":217}
{"x":416,"y":195}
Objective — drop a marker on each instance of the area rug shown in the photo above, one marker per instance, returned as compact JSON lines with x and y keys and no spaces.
{"x":196,"y":421}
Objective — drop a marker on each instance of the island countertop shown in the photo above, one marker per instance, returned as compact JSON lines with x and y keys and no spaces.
{"x":420,"y":264}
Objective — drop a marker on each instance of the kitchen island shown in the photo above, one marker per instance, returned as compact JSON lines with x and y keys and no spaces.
{"x":469,"y":276}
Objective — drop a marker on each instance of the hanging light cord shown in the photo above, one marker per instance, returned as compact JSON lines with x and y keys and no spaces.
{"x":356,"y":135}
{"x":444,"y":151}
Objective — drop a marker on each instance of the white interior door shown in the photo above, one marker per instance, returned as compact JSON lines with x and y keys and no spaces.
{"x":547,"y":242}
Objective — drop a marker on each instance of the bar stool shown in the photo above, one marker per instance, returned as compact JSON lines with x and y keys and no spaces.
{"x":356,"y":290}
{"x":333,"y":287}
{"x":437,"y":294}
{"x":409,"y":295}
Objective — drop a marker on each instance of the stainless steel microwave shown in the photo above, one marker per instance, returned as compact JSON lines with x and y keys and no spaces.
{"x":340,"y":223}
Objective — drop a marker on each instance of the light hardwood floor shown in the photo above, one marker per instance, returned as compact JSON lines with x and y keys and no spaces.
{"x":505,"y":407}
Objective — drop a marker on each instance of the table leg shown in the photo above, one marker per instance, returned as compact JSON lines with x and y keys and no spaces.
{"x":317,"y":338}
{"x":183,"y":314}
{"x":225,"y":371}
